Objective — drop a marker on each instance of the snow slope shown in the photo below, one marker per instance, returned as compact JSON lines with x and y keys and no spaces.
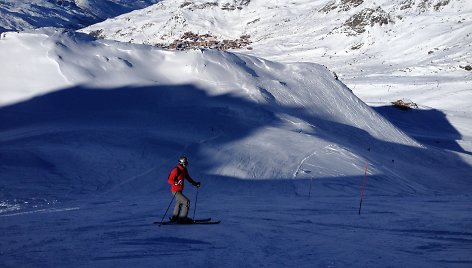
{"x":382,"y":50}
{"x":91,"y":128}
{"x":308,"y":106}
{"x":23,"y":15}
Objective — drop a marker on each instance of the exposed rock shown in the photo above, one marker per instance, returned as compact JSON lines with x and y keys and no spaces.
{"x":441,"y":4}
{"x":235,"y":5}
{"x":97,"y":34}
{"x":193,"y":6}
{"x":404,"y":104}
{"x":254,"y":21}
{"x":357,"y":46}
{"x":424,"y":6}
{"x":341,"y":5}
{"x":367,"y":17}
{"x":407,"y":4}
{"x":467,"y":68}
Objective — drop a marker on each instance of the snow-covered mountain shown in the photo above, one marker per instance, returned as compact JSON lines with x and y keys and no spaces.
{"x":296,"y":20}
{"x":307,"y":107}
{"x":384,"y":50}
{"x":390,"y":31}
{"x":90,"y":128}
{"x":73,"y":14}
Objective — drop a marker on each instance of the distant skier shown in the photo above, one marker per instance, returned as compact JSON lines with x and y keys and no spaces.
{"x":176,"y":179}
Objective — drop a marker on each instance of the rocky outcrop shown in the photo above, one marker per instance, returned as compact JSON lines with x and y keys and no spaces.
{"x":466,"y":67}
{"x":404,"y":104}
{"x":367,"y":17}
{"x":341,"y":5}
{"x":422,"y":6}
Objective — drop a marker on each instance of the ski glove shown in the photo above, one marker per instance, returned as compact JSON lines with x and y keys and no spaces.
{"x":197,"y":184}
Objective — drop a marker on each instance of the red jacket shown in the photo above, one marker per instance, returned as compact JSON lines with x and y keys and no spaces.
{"x":176,"y":178}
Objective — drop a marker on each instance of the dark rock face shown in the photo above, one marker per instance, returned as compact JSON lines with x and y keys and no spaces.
{"x":367,"y":17}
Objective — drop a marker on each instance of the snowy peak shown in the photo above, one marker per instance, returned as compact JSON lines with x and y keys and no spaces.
{"x":367,"y":14}
{"x":19,"y":15}
{"x":325,"y":27}
{"x":419,"y":6}
{"x":111,"y":8}
{"x":71,"y":14}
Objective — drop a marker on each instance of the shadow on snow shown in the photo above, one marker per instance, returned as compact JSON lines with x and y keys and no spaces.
{"x":82,"y":140}
{"x":426,"y":126}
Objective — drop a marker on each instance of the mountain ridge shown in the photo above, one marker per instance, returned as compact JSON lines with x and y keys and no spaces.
{"x":70,"y":14}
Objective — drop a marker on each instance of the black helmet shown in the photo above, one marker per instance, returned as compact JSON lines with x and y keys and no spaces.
{"x":183,"y":160}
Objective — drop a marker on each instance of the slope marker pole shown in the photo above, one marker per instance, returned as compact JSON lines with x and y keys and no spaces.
{"x":363,"y":187}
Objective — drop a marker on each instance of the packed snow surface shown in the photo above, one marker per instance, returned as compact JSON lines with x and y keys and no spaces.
{"x":90,"y":130}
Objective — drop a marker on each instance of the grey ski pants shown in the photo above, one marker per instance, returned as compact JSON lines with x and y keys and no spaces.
{"x":182,"y":205}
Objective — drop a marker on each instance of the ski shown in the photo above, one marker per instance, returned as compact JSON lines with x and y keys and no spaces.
{"x":197,"y":221}
{"x":189,"y":223}
{"x":202,"y":220}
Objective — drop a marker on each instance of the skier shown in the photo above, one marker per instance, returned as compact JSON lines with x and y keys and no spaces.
{"x":176,"y":179}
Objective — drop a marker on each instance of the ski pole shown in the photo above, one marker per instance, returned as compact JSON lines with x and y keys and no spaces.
{"x":363,"y":187}
{"x":195,"y":209}
{"x":167,"y":209}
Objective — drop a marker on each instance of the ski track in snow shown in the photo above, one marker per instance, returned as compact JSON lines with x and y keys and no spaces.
{"x":301,"y":163}
{"x":45,"y":210}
